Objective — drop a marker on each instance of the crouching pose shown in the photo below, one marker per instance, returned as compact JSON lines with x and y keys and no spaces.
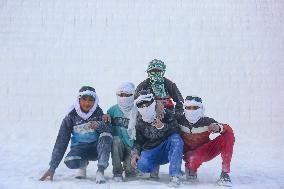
{"x":198,"y":148}
{"x":120,"y":114}
{"x":157,"y":140}
{"x":91,"y":137}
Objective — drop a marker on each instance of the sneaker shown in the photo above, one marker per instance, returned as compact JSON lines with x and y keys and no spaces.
{"x":174,"y":181}
{"x":132,"y":174}
{"x":118,"y":178}
{"x":155,"y":173}
{"x":224,"y":180}
{"x":82,"y":173}
{"x":100,"y":178}
{"x":191,"y":176}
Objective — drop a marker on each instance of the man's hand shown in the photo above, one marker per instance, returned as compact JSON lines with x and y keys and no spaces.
{"x":106,"y":118}
{"x":48,"y":174}
{"x":215,"y":128}
{"x":158,"y":124}
{"x":93,"y":125}
{"x":134,"y":159}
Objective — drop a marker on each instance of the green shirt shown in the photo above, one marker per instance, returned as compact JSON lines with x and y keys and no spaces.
{"x":119,"y":124}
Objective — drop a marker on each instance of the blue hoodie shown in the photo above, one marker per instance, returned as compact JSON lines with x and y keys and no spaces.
{"x":74,"y":125}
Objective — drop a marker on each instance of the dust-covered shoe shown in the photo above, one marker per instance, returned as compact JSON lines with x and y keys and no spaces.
{"x":191,"y":176}
{"x":82,"y":172}
{"x":224,"y":180}
{"x":100,"y":178}
{"x":174,"y":182}
{"x":155,"y":173}
{"x":118,"y":178}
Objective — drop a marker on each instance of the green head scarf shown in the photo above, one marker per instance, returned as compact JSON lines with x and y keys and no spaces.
{"x":156,"y":70}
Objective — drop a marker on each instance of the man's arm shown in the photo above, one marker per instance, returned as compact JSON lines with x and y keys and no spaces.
{"x":177,"y":98}
{"x":137,"y":148}
{"x":142,"y":86}
{"x":59,"y":148}
{"x":171,"y":123}
{"x":61,"y":143}
{"x":138,"y":142}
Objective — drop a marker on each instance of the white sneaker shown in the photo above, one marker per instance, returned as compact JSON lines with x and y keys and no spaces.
{"x":100,"y":178}
{"x":174,"y":182}
{"x":82,"y":173}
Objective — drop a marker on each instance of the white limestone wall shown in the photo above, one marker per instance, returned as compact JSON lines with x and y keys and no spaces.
{"x":228,"y":52}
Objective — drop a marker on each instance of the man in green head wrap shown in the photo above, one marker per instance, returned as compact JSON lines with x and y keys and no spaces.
{"x":163,"y":89}
{"x":156,"y":71}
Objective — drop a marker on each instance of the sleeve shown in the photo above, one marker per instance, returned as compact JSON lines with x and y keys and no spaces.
{"x":177,"y":98}
{"x":210,"y":120}
{"x":141,"y":86}
{"x":103,"y":127}
{"x":172,"y":124}
{"x":222,"y":127}
{"x":99,"y":114}
{"x":61,"y":143}
{"x":138,"y":142}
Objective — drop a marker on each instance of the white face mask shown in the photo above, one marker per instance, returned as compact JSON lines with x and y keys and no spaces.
{"x":148,"y":113}
{"x":193,"y":115}
{"x":125,"y":104}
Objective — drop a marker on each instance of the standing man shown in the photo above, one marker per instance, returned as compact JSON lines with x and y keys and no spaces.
{"x":121,"y":147}
{"x":164,"y":90}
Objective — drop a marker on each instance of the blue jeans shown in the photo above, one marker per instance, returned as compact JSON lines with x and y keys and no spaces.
{"x":79,"y":155}
{"x":170,"y":151}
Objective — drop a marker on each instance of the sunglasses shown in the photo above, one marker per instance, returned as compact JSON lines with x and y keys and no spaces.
{"x":197,"y":99}
{"x":144,"y":104}
{"x":124,"y":95}
{"x":191,"y":107}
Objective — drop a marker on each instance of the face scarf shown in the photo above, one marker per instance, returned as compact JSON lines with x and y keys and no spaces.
{"x":157,"y":83}
{"x":125,"y":104}
{"x":148,"y":113}
{"x":193,"y":115}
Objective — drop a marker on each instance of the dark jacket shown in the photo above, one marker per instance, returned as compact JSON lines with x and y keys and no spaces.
{"x":171,"y":90}
{"x":74,"y":125}
{"x":148,"y":137}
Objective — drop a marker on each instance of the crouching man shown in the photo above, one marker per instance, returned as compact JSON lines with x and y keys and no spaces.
{"x":91,"y":137}
{"x":157,"y":139}
{"x":198,"y":148}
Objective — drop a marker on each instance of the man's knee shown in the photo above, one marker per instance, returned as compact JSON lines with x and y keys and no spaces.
{"x":229,"y":137}
{"x":105,"y":143}
{"x":116,"y":141}
{"x":105,"y":138}
{"x":74,"y":162}
{"x":144,"y":165}
{"x":176,"y":140}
